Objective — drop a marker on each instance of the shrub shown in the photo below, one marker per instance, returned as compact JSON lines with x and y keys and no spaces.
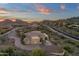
{"x":38,"y":52}
{"x":68,"y":48}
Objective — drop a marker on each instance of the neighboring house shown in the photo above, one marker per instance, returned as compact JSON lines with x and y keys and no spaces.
{"x":35,"y":37}
{"x":74,"y":26}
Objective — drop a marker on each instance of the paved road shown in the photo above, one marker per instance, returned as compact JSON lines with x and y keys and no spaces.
{"x":59,"y":29}
{"x":12,"y":35}
{"x":60,"y":33}
{"x":17,"y":41}
{"x":9,"y":32}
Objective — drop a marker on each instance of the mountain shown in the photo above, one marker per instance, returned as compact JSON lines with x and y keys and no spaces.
{"x":73,"y":19}
{"x":11,"y":22}
{"x":3,"y":11}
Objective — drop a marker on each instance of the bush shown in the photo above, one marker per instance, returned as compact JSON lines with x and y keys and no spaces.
{"x":21,"y":53}
{"x":37,"y":52}
{"x":2,"y":40}
{"x":66,"y":53}
{"x":9,"y":51}
{"x":69,"y":49}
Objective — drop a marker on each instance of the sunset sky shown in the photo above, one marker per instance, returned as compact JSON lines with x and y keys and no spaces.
{"x":50,"y":11}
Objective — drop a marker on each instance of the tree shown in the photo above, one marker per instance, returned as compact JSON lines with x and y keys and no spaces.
{"x":2,"y":40}
{"x":69,"y":49}
{"x":10,"y":51}
{"x":38,"y":52}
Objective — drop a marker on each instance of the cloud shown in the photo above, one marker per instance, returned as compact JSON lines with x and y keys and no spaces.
{"x":42,"y":9}
{"x":78,"y":7}
{"x":62,"y":6}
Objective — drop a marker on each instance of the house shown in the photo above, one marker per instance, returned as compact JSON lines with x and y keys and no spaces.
{"x":35,"y":37}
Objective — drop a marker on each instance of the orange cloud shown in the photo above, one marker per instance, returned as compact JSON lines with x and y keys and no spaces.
{"x":42,"y":9}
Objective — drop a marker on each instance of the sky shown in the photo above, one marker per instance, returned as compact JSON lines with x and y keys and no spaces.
{"x":51,"y":11}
